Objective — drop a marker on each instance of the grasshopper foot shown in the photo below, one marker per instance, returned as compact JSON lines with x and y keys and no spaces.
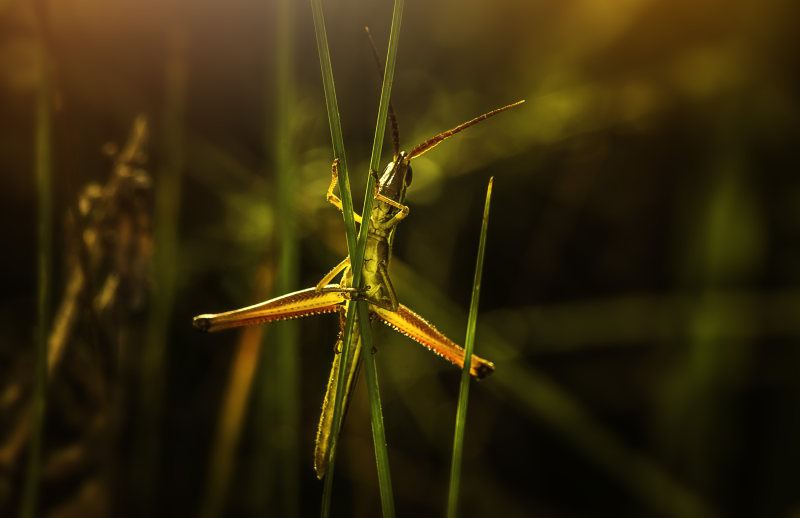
{"x":202,"y":323}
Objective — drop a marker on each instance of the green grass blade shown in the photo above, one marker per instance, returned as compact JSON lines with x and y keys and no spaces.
{"x":376,"y":417}
{"x":334,"y":121}
{"x":376,"y":413}
{"x":349,"y":224}
{"x":166,"y":261}
{"x":278,"y":399}
{"x":357,"y":252}
{"x":273,"y":387}
{"x":44,"y":173}
{"x":469,"y":345}
{"x":386,"y":88}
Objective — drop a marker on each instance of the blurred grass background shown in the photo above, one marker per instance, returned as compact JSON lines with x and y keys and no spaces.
{"x":641,"y":291}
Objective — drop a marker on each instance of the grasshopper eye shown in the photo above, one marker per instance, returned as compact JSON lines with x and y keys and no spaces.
{"x":408,"y":176}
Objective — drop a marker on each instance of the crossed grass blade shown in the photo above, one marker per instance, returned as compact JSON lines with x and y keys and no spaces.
{"x":356,"y":246}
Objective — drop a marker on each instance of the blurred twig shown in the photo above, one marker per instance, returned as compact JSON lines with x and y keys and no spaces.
{"x":111,"y":244}
{"x":234,"y":405}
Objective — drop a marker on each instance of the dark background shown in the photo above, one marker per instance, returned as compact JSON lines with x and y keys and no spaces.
{"x":641,"y":289}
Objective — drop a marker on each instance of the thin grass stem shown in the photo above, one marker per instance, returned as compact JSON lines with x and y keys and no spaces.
{"x":376,"y":413}
{"x":165,"y":259}
{"x":230,"y":420}
{"x":43,"y":165}
{"x":376,"y":417}
{"x":469,"y":346}
{"x":278,"y":380}
{"x":276,"y":391}
{"x":334,"y":121}
{"x":357,"y":252}
{"x":337,"y":139}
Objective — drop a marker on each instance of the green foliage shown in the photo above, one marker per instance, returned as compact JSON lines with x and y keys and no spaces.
{"x":357,"y":251}
{"x":639,"y":299}
{"x":43,"y":161}
{"x":469,"y":346}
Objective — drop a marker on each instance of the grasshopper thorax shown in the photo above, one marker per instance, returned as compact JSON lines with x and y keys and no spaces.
{"x":396,"y":178}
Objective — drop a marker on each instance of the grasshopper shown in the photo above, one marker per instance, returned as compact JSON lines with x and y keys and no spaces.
{"x":387,"y":211}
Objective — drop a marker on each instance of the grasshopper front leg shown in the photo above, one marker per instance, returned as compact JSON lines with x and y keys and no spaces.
{"x":331,"y":196}
{"x":337,"y":202}
{"x":400,"y":216}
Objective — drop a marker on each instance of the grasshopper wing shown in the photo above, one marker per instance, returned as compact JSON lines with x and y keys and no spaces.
{"x":325,"y":429}
{"x":417,"y":328}
{"x":292,"y":305}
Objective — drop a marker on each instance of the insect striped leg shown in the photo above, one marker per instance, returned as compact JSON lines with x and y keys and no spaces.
{"x":418,"y":329}
{"x":292,"y":305}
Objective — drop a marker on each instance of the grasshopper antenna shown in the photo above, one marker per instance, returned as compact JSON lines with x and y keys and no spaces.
{"x":435,"y":141}
{"x":392,"y":117}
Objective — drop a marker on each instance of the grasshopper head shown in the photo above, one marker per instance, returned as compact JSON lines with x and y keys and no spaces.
{"x":396,"y":178}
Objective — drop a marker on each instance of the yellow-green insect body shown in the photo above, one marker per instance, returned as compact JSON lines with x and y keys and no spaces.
{"x":388,"y":210}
